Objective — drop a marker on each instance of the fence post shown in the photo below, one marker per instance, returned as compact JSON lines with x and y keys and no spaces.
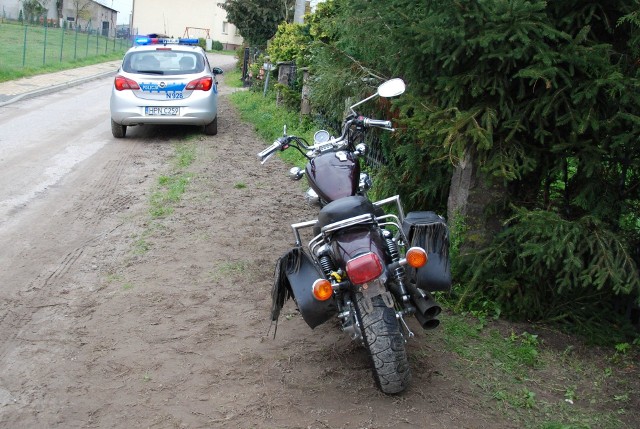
{"x":24,"y":47}
{"x":285,"y":70}
{"x":305,"y":103}
{"x":44,"y":47}
{"x":75,"y":44}
{"x":61,"y":45}
{"x":245,"y":66}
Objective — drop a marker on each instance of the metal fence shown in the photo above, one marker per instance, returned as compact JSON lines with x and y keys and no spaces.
{"x":39,"y":45}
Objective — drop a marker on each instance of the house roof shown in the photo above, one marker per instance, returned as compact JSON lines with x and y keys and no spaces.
{"x":101,"y":3}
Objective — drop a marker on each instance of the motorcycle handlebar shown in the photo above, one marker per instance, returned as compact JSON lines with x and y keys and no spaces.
{"x":264,"y":155}
{"x":368,"y":122}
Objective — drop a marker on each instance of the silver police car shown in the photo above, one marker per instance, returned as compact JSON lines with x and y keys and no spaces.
{"x":165,"y":81}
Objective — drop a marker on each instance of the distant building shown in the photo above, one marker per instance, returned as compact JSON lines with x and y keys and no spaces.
{"x":86,"y":15}
{"x":185,"y":18}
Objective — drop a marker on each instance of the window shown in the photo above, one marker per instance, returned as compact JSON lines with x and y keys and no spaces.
{"x":225,"y":27}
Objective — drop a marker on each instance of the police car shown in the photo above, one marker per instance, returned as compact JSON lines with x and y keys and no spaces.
{"x":165,"y":81}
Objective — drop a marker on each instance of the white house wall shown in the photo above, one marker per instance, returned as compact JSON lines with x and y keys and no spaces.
{"x":171,"y":17}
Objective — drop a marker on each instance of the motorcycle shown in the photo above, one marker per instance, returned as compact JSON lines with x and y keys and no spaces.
{"x":363,"y":264}
{"x":340,"y":155}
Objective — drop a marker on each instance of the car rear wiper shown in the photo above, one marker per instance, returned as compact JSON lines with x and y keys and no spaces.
{"x":151,"y":71}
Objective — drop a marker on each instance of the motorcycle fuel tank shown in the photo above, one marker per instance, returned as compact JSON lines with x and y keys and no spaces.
{"x":333,"y":175}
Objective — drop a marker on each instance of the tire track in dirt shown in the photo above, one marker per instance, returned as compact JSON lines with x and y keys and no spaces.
{"x":72,"y":220}
{"x":92,"y":207}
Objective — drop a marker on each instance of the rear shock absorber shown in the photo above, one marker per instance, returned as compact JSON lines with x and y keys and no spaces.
{"x":326,"y":264}
{"x":398,"y":273}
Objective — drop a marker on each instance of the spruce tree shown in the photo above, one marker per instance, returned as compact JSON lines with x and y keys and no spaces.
{"x":531,"y":107}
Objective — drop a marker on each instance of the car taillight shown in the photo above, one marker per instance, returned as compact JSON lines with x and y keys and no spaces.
{"x":202,"y":84}
{"x":364,"y":268}
{"x":121,"y":83}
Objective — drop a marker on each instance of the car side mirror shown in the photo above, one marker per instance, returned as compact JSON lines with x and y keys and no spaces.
{"x":217,"y":70}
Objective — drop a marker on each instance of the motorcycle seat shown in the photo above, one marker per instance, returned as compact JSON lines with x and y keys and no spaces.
{"x":345,"y":208}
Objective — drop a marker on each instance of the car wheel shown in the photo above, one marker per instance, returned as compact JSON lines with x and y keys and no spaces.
{"x":118,"y":130}
{"x":211,"y":129}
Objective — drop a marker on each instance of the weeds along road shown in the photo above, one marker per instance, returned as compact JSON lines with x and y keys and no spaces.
{"x":111,"y":318}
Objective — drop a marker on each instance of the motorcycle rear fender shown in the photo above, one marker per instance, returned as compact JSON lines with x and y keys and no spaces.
{"x":301,"y":279}
{"x":356,"y":241}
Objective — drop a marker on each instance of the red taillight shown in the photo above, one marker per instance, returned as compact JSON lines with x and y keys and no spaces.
{"x":121,"y":83}
{"x":202,"y":84}
{"x":364,"y":268}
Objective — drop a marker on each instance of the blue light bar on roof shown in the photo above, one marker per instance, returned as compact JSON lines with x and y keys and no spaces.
{"x":145,"y":40}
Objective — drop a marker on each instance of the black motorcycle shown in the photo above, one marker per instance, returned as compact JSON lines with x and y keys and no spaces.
{"x":333,"y":169}
{"x":364,"y":265}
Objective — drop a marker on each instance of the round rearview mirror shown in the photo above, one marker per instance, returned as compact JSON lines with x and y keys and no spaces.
{"x":391,"y":88}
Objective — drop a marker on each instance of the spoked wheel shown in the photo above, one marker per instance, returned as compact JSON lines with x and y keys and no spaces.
{"x":383,"y":340}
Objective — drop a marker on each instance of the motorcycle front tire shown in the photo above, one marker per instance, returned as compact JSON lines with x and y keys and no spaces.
{"x":385,"y":344}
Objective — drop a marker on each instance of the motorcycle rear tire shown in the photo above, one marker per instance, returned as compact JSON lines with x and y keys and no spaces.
{"x":385,"y":344}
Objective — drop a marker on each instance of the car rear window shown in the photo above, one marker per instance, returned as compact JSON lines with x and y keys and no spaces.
{"x":163,"y":62}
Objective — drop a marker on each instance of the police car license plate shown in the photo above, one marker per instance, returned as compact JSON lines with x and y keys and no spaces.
{"x":162,"y":111}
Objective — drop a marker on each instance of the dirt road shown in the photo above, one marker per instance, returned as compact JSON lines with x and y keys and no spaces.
{"x":112,"y":319}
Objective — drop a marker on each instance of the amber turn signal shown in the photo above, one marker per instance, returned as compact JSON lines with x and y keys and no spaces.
{"x":416,"y":257}
{"x":322,"y":289}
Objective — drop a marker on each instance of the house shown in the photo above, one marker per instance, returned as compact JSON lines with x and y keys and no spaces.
{"x":90,"y":15}
{"x":85,"y":15}
{"x":185,"y":18}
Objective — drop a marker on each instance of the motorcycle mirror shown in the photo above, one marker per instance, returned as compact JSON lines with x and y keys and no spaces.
{"x":391,"y":88}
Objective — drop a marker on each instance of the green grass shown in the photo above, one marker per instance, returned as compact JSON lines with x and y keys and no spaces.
{"x":269,"y":120}
{"x":168,"y":191}
{"x":534,"y":385}
{"x":172,"y":185}
{"x":233,"y":78}
{"x":64,"y":49}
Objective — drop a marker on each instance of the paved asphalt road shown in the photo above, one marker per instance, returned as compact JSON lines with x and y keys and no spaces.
{"x":15,"y":90}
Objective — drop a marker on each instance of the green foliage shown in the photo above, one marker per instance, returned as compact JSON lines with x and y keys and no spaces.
{"x":289,"y":97}
{"x":545,"y":93}
{"x":290,"y":43}
{"x":217,"y":46}
{"x":256,"y":20}
{"x":33,"y":9}
{"x":544,"y":267}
